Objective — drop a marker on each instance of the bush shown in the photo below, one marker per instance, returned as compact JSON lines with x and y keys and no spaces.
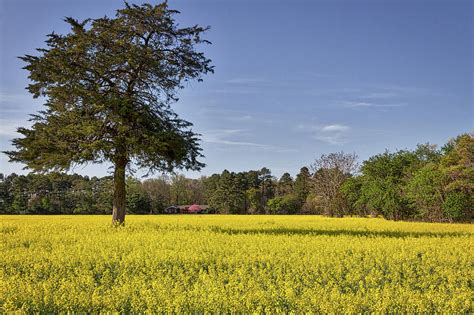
{"x":288,"y":204}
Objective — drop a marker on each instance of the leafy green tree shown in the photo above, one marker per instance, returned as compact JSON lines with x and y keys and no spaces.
{"x":384,"y":177}
{"x":457,"y":165}
{"x":426,"y":191}
{"x":108,"y":86}
{"x":420,"y":184}
{"x":351,"y":190}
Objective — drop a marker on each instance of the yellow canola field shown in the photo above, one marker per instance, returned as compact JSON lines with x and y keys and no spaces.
{"x":234,"y":264}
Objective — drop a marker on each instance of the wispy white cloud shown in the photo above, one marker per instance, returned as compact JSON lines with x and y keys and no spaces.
{"x":334,"y":128}
{"x":220,"y":113}
{"x":245,"y":80}
{"x":314,"y":74}
{"x":334,"y":134}
{"x":365,"y":104}
{"x":358,"y":104}
{"x":378,"y":95}
{"x":215,"y":134}
{"x":334,"y":139}
{"x":227,"y":137}
{"x":239,"y":143}
{"x":381,"y":96}
{"x":235,"y":91}
{"x":231,"y":131}
{"x":241,"y":118}
{"x":307,"y":127}
{"x":404,"y":89}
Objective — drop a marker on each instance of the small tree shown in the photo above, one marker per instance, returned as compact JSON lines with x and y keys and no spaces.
{"x":108,"y":86}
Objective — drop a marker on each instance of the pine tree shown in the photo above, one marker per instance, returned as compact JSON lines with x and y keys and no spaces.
{"x":302,"y":184}
{"x":285,"y":185}
{"x":108,"y":86}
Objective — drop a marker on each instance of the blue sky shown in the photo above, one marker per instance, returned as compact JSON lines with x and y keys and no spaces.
{"x":293,"y":80}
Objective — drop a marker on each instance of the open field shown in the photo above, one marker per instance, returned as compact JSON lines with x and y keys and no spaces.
{"x":246,"y":264}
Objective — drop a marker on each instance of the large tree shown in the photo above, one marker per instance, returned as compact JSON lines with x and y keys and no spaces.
{"x":108,"y":86}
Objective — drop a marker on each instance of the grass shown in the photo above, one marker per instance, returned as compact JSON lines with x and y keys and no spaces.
{"x":236,"y":264}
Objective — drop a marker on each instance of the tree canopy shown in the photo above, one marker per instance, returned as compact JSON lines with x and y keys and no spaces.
{"x":108,"y":86}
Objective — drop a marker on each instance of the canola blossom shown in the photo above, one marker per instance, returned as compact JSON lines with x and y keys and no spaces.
{"x":234,"y":264}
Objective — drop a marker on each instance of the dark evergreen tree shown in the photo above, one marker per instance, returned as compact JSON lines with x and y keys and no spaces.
{"x":228,"y":198}
{"x":108,"y":86}
{"x":285,"y":185}
{"x":266,"y":185}
{"x":302,"y":184}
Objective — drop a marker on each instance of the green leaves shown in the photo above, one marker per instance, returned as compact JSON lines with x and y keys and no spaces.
{"x":422,"y":184}
{"x":109,"y":84}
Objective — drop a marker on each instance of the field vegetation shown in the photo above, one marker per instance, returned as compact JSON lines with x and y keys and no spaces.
{"x":222,"y":263}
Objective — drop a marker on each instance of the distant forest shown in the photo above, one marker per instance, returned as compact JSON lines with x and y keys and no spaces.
{"x":428,"y":183}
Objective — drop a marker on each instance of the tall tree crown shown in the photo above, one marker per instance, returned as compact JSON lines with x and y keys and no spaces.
{"x":108,"y":86}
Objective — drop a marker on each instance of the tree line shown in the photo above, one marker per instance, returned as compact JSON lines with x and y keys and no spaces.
{"x":426,"y":183}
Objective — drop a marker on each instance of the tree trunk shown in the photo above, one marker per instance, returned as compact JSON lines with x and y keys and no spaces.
{"x":118,"y":212}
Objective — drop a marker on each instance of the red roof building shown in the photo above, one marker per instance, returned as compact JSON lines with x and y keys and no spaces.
{"x":194,"y":209}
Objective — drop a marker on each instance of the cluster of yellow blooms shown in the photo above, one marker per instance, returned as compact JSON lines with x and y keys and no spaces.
{"x":234,"y":264}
